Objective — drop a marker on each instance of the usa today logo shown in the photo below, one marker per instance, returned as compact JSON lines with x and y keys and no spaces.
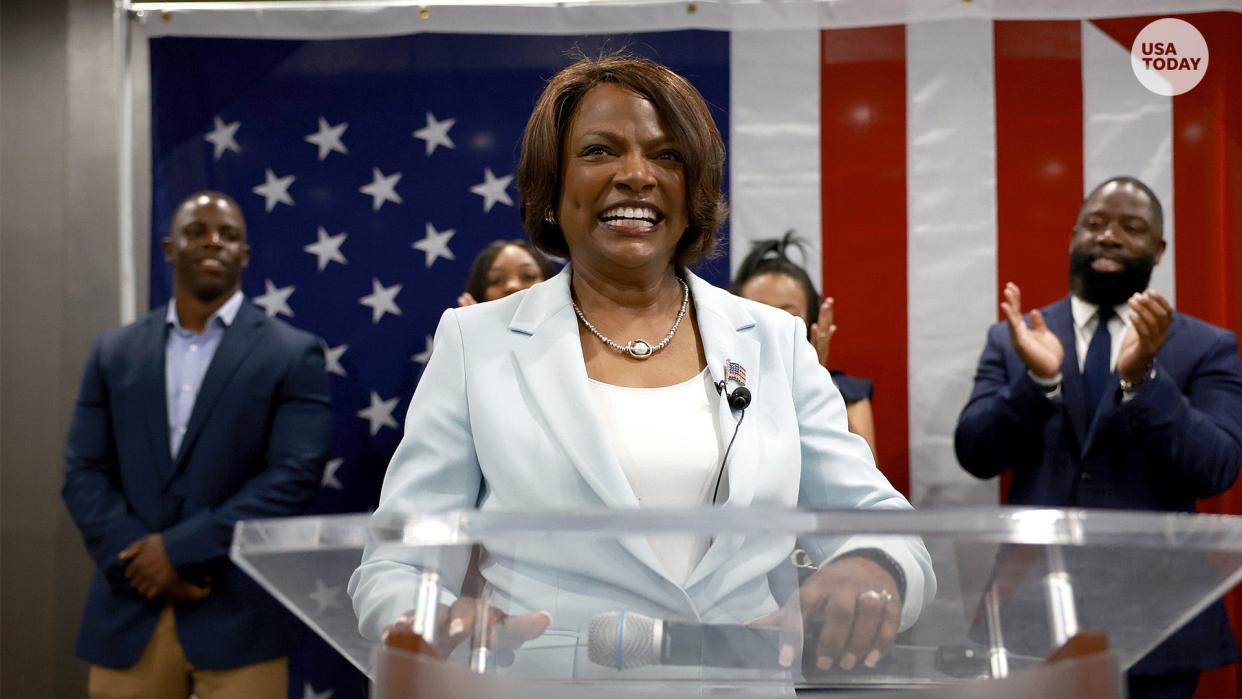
{"x":1169,"y":56}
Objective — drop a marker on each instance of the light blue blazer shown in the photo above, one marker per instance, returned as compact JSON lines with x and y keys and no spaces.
{"x":502,"y":420}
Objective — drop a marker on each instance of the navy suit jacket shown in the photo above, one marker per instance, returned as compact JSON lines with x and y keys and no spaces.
{"x":254,"y":447}
{"x":1179,"y":439}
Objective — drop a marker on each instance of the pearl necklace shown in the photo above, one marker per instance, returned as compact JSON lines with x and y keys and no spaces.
{"x":640,"y":348}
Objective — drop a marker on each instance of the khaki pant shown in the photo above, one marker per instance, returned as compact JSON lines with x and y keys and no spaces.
{"x":164,"y":673}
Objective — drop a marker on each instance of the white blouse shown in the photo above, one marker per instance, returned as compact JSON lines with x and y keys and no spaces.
{"x":667,"y":441}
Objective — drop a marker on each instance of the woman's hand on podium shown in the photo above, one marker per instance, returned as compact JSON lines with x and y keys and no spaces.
{"x":461,"y":621}
{"x":844,"y":613}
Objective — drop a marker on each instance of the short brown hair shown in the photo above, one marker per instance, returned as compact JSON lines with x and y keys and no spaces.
{"x":685,"y":114}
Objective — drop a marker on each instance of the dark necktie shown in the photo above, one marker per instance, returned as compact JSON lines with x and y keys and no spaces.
{"x":1095,"y":371}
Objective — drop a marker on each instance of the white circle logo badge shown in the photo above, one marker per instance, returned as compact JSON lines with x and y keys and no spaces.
{"x":1169,"y":56}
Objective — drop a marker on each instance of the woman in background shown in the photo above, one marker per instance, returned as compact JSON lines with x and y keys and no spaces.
{"x":769,"y":276}
{"x":503,"y":268}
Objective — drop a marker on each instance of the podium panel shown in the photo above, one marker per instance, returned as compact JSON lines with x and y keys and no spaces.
{"x":583,"y":602}
{"x":402,"y":675}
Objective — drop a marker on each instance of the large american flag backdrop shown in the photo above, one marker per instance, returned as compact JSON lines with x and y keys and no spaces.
{"x":370,"y":173}
{"x":927,"y":163}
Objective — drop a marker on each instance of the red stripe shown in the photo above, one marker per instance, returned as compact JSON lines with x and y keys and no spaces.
{"x":1207,"y":191}
{"x":863,"y":163}
{"x":1207,"y":217}
{"x":1038,"y":157}
{"x":1207,"y":179}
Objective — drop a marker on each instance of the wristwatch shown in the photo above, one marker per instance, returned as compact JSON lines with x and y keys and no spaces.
{"x":1131,"y":387}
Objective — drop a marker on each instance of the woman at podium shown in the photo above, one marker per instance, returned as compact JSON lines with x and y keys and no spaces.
{"x":626,"y":382}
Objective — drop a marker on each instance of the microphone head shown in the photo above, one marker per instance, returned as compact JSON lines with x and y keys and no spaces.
{"x":739,"y":399}
{"x":622,"y":640}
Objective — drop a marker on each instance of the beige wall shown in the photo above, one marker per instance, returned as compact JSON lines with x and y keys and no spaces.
{"x":58,"y":289}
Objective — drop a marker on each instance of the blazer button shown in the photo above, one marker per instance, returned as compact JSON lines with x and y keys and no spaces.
{"x":1085,"y":476}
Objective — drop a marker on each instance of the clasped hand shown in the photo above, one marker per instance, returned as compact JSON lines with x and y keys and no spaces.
{"x":152,"y":575}
{"x":846,"y":612}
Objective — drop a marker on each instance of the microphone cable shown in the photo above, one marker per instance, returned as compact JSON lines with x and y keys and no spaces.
{"x":720,"y":472}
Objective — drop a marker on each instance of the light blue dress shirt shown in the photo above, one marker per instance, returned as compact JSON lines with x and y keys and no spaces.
{"x":187,"y":355}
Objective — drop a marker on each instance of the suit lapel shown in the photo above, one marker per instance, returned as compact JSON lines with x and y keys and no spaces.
{"x":723,"y":323}
{"x":1060,"y":320}
{"x":1105,"y":412}
{"x":154,"y":391}
{"x":552,"y":371}
{"x":238,"y":341}
{"x":1109,"y":404}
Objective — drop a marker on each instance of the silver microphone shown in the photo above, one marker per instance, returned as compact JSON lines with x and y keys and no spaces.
{"x":626,"y":640}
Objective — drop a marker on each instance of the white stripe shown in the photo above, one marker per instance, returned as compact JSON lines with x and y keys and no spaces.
{"x":302,"y":19}
{"x":951,"y":243}
{"x":774,"y":141}
{"x":127,"y":273}
{"x":1126,"y":130}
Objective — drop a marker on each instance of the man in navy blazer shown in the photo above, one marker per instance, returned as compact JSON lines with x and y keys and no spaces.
{"x":201,"y":414}
{"x":1142,"y":413}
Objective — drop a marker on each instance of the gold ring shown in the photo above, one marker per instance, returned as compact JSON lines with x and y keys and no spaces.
{"x":886,"y":596}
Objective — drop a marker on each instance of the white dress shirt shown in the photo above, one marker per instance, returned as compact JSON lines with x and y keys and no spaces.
{"x":1085,"y":321}
{"x":187,"y":356}
{"x":667,"y":442}
{"x":1086,"y":318}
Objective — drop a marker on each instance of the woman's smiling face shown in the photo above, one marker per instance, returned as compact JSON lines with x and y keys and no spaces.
{"x":623,"y":198}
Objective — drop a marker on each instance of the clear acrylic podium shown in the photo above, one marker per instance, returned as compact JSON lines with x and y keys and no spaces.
{"x":1014,"y":586}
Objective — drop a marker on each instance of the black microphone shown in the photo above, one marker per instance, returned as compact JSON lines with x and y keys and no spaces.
{"x":626,"y":640}
{"x":738,"y":398}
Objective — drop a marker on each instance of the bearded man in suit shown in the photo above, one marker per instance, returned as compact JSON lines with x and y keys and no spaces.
{"x":1109,"y":398}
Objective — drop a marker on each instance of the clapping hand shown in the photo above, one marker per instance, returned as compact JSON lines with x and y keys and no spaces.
{"x":823,"y":330}
{"x":848,"y":612}
{"x":466,"y":299}
{"x":1150,"y":318}
{"x":1038,"y":347}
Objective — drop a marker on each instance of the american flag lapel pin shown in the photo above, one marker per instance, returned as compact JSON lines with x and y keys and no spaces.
{"x":735,"y":372}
